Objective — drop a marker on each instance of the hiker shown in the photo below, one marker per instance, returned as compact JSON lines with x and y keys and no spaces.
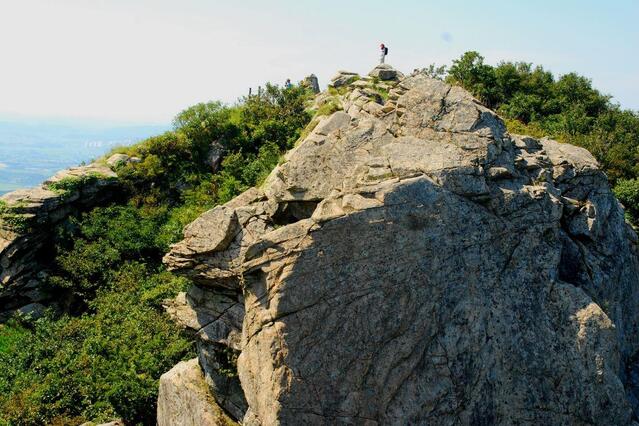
{"x":383,"y":53}
{"x":288,"y":84}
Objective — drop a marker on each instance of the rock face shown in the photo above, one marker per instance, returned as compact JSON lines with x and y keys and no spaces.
{"x":215,"y":155}
{"x":184,"y":399}
{"x":413,"y":263}
{"x":117,"y":159}
{"x":312,"y":83}
{"x":342,"y":78}
{"x":26,"y":219}
{"x":385,"y":72}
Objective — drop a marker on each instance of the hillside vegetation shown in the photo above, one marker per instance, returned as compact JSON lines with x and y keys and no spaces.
{"x":101,"y":358}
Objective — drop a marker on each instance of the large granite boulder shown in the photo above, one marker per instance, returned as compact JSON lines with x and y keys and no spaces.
{"x":342,"y":78}
{"x":184,"y":399}
{"x":117,"y":160}
{"x":411,"y":262}
{"x":385,"y":72}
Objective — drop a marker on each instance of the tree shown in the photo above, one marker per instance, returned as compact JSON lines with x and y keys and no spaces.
{"x":471,"y":73}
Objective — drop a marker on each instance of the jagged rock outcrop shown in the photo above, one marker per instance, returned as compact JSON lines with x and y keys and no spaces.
{"x":342,"y":78}
{"x":26,"y":221}
{"x":385,"y":72}
{"x":411,"y":262}
{"x":311,"y":82}
{"x":118,"y":160}
{"x":184,"y":398}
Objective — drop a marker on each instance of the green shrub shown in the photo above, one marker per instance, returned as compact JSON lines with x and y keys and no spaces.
{"x":71,"y":184}
{"x":90,"y":247}
{"x":628,"y":193}
{"x":96,"y":366}
{"x":102,"y":358}
{"x":12,"y":219}
{"x":328,"y":108}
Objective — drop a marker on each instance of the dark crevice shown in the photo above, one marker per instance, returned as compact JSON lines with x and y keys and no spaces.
{"x":293,"y":211}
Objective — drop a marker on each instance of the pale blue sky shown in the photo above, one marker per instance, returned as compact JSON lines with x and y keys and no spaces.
{"x":145,"y":60}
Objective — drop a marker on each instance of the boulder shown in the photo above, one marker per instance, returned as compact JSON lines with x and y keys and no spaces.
{"x":215,"y":155}
{"x":312,"y":83}
{"x":32,"y":311}
{"x":420,"y":265}
{"x":343,"y":78}
{"x":385,"y":72}
{"x":184,"y":399}
{"x":117,"y":160}
{"x":111,"y":423}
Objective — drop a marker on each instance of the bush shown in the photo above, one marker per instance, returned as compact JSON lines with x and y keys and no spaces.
{"x":96,"y":366}
{"x":628,"y":193}
{"x":102,"y":359}
{"x":89,"y":248}
{"x":71,"y":184}
{"x":12,"y":218}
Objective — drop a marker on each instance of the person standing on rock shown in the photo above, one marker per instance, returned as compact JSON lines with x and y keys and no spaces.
{"x":383,"y":53}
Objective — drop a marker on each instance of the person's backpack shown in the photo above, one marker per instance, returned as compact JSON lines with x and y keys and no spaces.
{"x":385,"y":51}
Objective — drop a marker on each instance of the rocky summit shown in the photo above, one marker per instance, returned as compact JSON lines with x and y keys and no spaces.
{"x":411,"y":262}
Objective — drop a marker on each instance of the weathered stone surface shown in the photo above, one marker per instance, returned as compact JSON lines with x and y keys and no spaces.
{"x":420,"y":265}
{"x":215,"y":155}
{"x":342,"y":78}
{"x":216,"y":320}
{"x":385,"y":72}
{"x":184,"y":399}
{"x":117,"y":159}
{"x":112,"y":423}
{"x":312,"y":83}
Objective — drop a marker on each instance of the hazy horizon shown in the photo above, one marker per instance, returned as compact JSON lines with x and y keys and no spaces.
{"x":32,"y":152}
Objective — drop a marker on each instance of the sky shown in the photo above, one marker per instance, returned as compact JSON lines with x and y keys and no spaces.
{"x":143,"y":61}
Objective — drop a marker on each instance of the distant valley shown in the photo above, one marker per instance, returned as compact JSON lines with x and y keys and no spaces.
{"x":31,"y":152}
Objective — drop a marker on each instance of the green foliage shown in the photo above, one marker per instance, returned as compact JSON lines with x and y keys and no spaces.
{"x":102,"y":359}
{"x":227,"y":358}
{"x":90,"y":248}
{"x":204,"y":123}
{"x":470,"y":72}
{"x":328,"y":108}
{"x":434,"y":71}
{"x":166,"y":162}
{"x":240,"y":172}
{"x":338,"y":91}
{"x":72,"y":184}
{"x":277,"y":116}
{"x":12,"y":218}
{"x":381,"y":91}
{"x":95,"y":366}
{"x":174,"y":164}
{"x":628,"y":193}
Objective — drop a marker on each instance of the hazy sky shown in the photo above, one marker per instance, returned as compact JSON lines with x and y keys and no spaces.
{"x":145,"y":60}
